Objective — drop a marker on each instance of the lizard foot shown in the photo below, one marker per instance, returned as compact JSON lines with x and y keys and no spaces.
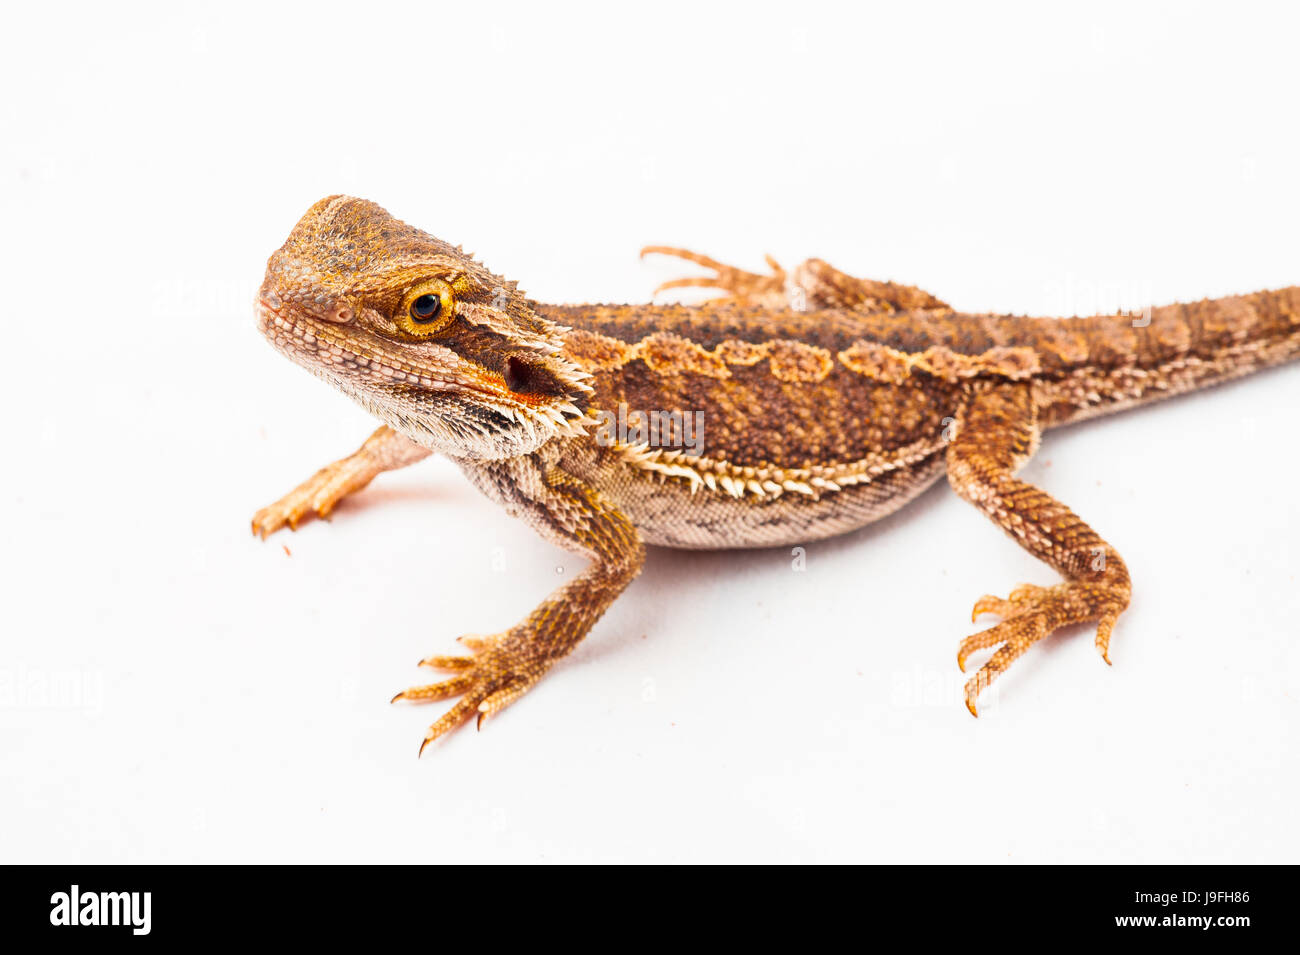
{"x":316,"y":495}
{"x":385,"y":450}
{"x":743,"y":288}
{"x":500,"y":671}
{"x":1029,"y":613}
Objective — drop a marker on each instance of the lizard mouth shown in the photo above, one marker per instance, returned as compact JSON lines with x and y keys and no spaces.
{"x":363,"y":358}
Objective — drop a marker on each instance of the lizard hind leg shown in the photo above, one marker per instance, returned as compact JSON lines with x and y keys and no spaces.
{"x":742,"y":288}
{"x":814,"y":284}
{"x":996,"y":433}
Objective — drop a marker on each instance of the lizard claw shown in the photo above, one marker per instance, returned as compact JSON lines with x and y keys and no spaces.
{"x":497,"y":675}
{"x":1029,"y":613}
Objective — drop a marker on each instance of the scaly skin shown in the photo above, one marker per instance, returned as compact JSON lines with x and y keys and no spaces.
{"x":827,"y":401}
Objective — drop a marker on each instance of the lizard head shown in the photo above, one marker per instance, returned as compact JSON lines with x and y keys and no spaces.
{"x":418,"y":333}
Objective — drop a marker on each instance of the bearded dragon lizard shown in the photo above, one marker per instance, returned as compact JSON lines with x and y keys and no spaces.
{"x":829,"y":401}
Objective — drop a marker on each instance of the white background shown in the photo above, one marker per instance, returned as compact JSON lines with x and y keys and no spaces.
{"x":172,"y":689}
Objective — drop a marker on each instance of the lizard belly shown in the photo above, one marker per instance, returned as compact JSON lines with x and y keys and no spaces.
{"x":667,"y":513}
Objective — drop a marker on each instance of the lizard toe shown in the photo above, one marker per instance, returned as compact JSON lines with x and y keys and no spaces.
{"x":320,"y":493}
{"x":498,"y":674}
{"x":742,"y":288}
{"x":1030,"y":613}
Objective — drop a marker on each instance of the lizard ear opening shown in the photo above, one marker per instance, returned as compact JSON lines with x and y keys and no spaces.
{"x":524,"y":375}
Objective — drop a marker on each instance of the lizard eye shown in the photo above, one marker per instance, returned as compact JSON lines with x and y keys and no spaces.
{"x":427,"y":308}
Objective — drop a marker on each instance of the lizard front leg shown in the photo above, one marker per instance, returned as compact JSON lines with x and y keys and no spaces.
{"x":995,"y":433}
{"x":385,"y":450}
{"x":813,"y":284}
{"x":506,"y":665}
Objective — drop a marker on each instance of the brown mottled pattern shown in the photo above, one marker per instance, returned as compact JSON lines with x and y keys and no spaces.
{"x":798,"y":361}
{"x":840,"y":418}
{"x":741,"y":353}
{"x":1203,"y":332}
{"x":669,"y":354}
{"x":877,"y":361}
{"x":593,"y":351}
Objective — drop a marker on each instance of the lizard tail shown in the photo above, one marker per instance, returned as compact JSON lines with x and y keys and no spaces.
{"x":1121,"y":361}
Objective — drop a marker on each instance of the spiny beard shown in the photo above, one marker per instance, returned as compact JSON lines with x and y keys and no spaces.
{"x":463,"y":430}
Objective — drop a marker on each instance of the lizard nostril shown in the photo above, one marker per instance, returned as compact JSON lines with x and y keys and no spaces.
{"x":272,"y":301}
{"x":340,"y":314}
